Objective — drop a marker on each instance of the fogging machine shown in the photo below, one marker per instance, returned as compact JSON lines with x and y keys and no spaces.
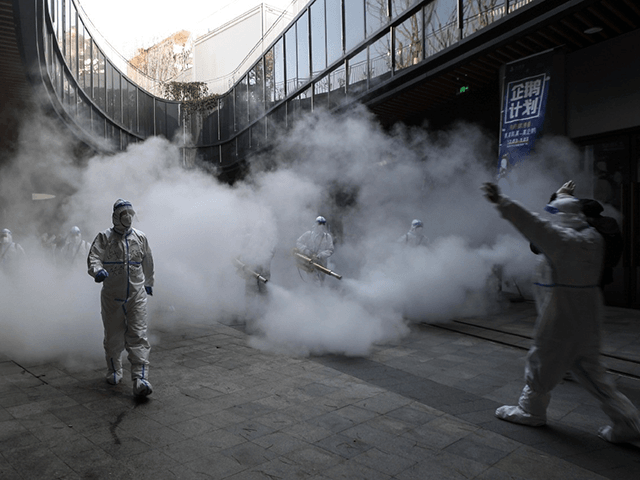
{"x":249,"y":272}
{"x":308,"y":264}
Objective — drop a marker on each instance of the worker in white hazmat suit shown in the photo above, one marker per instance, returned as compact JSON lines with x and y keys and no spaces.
{"x":414,"y":236}
{"x":317,"y":244}
{"x":75,"y":249}
{"x":121,"y":259}
{"x":11,"y":253}
{"x":567,"y":334}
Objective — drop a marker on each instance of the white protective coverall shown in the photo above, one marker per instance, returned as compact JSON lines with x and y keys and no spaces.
{"x":124,"y":253}
{"x":11,"y":253}
{"x":414,"y":236}
{"x":317,"y":243}
{"x":567,"y":334}
{"x":75,"y":250}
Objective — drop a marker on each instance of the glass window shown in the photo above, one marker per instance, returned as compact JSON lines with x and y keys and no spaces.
{"x":481,"y":13}
{"x":274,"y":73}
{"x":256,"y":91}
{"x":399,"y":6}
{"x":377,"y":15}
{"x":321,"y":92}
{"x":258,"y":134}
{"x":441,"y":25}
{"x":408,"y":42}
{"x":292,"y":109}
{"x":69,"y":96}
{"x":354,"y":23}
{"x":337,"y":86}
{"x":357,"y":68}
{"x":278,"y":70}
{"x":305,"y":100}
{"x":277,"y":121}
{"x":54,"y":13}
{"x":99,"y":94}
{"x":379,"y":60}
{"x":129,"y":105}
{"x":125,"y":140}
{"x":126,"y":108}
{"x":97,"y":123}
{"x":318,"y":38}
{"x":269,"y":79}
{"x":241,"y":107}
{"x":84,"y":113}
{"x":61,"y":26}
{"x":110,"y":99}
{"x":114,"y":134}
{"x":57,"y":75}
{"x":334,"y":30}
{"x":304,"y":67}
{"x":117,"y":95}
{"x":193,"y":125}
{"x":173,"y":119}
{"x":88,"y":66}
{"x":145,"y":115}
{"x":161,"y":119}
{"x":47,"y":53}
{"x":66,"y":40}
{"x":88,"y":58}
{"x":291,"y":59}
{"x":73,"y":40}
{"x":210,"y":128}
{"x":225,"y":103}
{"x":215,"y":154}
{"x":243,"y":144}
{"x":228,"y":153}
{"x":81,"y":75}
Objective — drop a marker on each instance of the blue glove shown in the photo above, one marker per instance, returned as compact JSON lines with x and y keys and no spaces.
{"x":149,"y":290}
{"x":101,"y":275}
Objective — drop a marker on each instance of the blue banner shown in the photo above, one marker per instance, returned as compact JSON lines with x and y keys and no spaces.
{"x":526,"y":87}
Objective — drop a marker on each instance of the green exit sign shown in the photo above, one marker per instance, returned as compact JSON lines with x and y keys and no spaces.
{"x":464,"y":89}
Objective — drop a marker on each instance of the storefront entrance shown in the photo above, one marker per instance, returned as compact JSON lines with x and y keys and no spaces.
{"x":614,"y":163}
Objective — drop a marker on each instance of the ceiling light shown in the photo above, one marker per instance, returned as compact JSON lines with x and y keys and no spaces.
{"x":592,"y":30}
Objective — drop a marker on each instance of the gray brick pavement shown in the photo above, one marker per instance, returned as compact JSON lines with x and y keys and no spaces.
{"x":418,"y":409}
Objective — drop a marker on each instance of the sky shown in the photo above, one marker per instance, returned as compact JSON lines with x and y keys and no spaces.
{"x":128,"y":25}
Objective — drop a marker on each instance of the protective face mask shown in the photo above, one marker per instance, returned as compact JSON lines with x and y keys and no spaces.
{"x":126,"y":219}
{"x":4,"y":240}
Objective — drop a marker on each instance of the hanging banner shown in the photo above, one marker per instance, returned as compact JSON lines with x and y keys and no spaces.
{"x":525,"y":91}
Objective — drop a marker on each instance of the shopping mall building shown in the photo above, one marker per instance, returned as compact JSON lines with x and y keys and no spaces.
{"x":519,"y":69}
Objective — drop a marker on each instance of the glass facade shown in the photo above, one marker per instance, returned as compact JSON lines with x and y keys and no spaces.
{"x":380,"y":60}
{"x":354,"y":20}
{"x":409,"y":38}
{"x":364,"y":43}
{"x":318,"y":38}
{"x":357,"y":73}
{"x":92,"y":91}
{"x":333,"y":13}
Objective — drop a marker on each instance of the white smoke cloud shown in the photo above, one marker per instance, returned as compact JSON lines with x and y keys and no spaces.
{"x":368,"y":183}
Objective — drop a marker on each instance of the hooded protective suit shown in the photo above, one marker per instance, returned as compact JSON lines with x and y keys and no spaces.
{"x":75,"y":249}
{"x":414,"y":236}
{"x":317,"y":243}
{"x":11,"y":253}
{"x":567,"y":334}
{"x":120,"y":257}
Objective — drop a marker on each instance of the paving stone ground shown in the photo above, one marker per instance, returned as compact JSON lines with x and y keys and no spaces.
{"x":421,"y":408}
